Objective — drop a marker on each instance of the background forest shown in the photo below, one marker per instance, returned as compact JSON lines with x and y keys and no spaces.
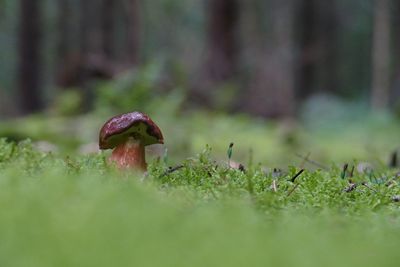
{"x":259,"y":57}
{"x":321,"y":70}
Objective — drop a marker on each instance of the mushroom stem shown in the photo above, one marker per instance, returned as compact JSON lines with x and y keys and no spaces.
{"x":130,"y":155}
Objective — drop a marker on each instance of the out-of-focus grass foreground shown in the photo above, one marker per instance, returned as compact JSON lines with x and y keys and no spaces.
{"x":280,"y":121}
{"x":80,"y":211}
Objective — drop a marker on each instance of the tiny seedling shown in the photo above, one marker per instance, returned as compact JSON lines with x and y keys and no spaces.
{"x":351,"y":174}
{"x":229,"y":153}
{"x":393,"y":160}
{"x":344,"y":170}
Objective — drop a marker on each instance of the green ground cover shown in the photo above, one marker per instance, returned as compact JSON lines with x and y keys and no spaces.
{"x":69,"y":208}
{"x":77,"y":211}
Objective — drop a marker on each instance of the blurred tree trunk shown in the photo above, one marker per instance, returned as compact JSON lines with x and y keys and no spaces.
{"x":317,"y":42}
{"x":307,"y":43}
{"x":85,"y":32}
{"x":222,"y":43}
{"x":107,"y":28}
{"x":220,"y":64}
{"x":63,"y":42}
{"x":271,"y":93}
{"x":328,"y":46}
{"x":133,"y":30}
{"x":63,"y":29}
{"x":381,"y":55}
{"x":395,"y":88}
{"x":29,"y":61}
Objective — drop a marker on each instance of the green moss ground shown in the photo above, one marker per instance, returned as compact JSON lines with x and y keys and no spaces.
{"x":76,"y":211}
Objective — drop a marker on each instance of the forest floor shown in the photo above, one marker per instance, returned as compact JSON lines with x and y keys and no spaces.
{"x":62,"y":205}
{"x":78,"y":211}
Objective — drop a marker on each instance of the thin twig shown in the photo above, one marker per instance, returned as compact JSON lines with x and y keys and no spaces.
{"x":171,"y":170}
{"x":291,"y":191}
{"x":305,"y":160}
{"x":370,"y":188}
{"x":312,"y":161}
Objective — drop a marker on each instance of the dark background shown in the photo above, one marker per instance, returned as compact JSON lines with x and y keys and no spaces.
{"x":263,"y":57}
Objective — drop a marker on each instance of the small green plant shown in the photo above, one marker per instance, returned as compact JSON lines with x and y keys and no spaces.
{"x":229,"y":153}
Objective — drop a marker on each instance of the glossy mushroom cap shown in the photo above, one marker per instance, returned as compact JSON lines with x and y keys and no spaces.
{"x":137,"y":125}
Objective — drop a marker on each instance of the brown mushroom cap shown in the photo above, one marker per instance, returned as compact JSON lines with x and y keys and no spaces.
{"x":138,"y":125}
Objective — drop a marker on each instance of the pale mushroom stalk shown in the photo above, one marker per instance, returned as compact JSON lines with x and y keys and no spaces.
{"x":130,"y":154}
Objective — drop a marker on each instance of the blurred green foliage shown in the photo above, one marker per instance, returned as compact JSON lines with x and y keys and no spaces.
{"x":330,"y":129}
{"x":68,"y":103}
{"x":134,"y":88}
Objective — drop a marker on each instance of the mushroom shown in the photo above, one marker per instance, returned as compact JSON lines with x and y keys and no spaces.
{"x":128,"y":134}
